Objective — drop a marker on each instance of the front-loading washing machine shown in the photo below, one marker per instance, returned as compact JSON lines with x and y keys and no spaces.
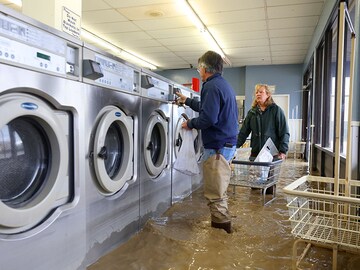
{"x":155,"y":150}
{"x":181,"y":182}
{"x":42,"y":218}
{"x":197,"y":179}
{"x":112,"y":138}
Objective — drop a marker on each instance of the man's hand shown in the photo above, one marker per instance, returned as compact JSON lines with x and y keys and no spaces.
{"x":182,"y":98}
{"x":184,"y":125}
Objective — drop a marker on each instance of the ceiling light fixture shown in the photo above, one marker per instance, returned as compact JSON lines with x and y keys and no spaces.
{"x":16,"y":2}
{"x":92,"y":38}
{"x":131,"y":57}
{"x":194,"y":17}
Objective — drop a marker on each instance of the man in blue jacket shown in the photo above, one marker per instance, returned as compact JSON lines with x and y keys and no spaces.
{"x":218,"y":122}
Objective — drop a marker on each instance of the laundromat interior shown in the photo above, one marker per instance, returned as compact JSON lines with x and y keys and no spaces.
{"x":90,"y":133}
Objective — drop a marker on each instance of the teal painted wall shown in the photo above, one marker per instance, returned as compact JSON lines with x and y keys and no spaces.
{"x":286,"y":78}
{"x":235,"y":76}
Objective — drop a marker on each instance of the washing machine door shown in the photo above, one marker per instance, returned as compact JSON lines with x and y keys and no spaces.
{"x":34,"y":160}
{"x":113,"y":150}
{"x":156,"y":144}
{"x":198,"y":146}
{"x":178,"y":140}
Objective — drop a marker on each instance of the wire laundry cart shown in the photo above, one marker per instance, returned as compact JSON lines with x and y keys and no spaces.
{"x":259,"y":175}
{"x":325,"y":211}
{"x":321,"y":218}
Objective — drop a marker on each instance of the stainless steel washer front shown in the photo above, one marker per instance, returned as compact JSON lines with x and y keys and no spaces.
{"x":42,"y":217}
{"x":197,"y":180}
{"x":181,"y":183}
{"x":112,"y":127}
{"x":155,"y":150}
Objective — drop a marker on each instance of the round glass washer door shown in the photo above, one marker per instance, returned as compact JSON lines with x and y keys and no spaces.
{"x":178,"y":140}
{"x":198,"y":144}
{"x":33,"y":162}
{"x":113,"y":150}
{"x":156,"y":144}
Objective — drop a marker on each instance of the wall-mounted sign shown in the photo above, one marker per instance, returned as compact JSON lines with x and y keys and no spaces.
{"x":71,"y":22}
{"x":272,"y":88}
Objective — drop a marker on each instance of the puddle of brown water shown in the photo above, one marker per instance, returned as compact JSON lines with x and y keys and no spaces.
{"x":183,"y":238}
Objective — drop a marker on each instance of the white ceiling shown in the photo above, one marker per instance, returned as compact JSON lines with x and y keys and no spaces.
{"x":250,"y":32}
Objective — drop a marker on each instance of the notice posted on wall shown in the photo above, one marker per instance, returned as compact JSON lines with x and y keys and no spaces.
{"x":71,"y":22}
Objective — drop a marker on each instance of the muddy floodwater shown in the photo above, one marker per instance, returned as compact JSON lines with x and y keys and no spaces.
{"x":183,"y":239}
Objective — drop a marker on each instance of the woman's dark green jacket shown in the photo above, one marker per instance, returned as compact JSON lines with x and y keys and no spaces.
{"x":262,"y":125}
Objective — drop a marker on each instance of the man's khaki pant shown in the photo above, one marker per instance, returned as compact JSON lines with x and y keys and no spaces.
{"x":216,"y":173}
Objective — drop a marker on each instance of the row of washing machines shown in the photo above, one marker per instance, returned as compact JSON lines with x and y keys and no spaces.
{"x":87,"y":144}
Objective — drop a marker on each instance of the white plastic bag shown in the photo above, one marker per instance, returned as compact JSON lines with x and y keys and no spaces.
{"x":186,"y":161}
{"x":260,"y":174}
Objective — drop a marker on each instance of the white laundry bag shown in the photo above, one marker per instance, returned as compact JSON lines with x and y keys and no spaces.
{"x":260,"y":174}
{"x":186,"y":161}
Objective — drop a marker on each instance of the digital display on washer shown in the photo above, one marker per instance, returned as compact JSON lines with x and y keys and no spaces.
{"x":43,"y":56}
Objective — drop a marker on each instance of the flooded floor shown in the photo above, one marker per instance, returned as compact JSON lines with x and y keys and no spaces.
{"x":183,"y":239}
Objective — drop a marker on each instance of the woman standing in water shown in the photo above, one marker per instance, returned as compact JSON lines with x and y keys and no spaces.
{"x":265,"y":120}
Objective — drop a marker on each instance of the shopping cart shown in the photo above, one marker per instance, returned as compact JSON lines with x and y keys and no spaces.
{"x":320,"y":218}
{"x":258,"y":175}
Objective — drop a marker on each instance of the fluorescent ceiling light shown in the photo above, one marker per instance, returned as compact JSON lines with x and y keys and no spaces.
{"x":213,"y":43}
{"x":194,"y":17}
{"x":90,"y":37}
{"x":131,"y":57}
{"x":136,"y":60}
{"x":16,"y":2}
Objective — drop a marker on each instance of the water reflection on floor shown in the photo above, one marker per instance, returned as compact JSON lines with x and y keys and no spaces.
{"x":183,"y":239}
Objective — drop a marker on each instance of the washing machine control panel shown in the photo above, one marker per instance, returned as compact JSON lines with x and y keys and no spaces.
{"x":20,"y":53}
{"x":116,"y":74}
{"x":177,"y":88}
{"x":28,"y":46}
{"x":160,"y":89}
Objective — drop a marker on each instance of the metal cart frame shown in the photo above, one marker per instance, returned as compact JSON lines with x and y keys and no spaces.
{"x":320,"y":218}
{"x":258,"y":175}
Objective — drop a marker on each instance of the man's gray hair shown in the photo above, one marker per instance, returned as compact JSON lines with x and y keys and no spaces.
{"x":212,"y":62}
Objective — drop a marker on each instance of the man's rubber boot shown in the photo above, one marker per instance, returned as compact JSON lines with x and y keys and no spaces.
{"x":225,"y":226}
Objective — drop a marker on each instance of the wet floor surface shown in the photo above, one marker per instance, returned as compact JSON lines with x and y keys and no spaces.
{"x":183,"y":239}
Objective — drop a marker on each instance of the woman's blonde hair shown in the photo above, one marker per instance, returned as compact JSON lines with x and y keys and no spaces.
{"x":267,"y":90}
